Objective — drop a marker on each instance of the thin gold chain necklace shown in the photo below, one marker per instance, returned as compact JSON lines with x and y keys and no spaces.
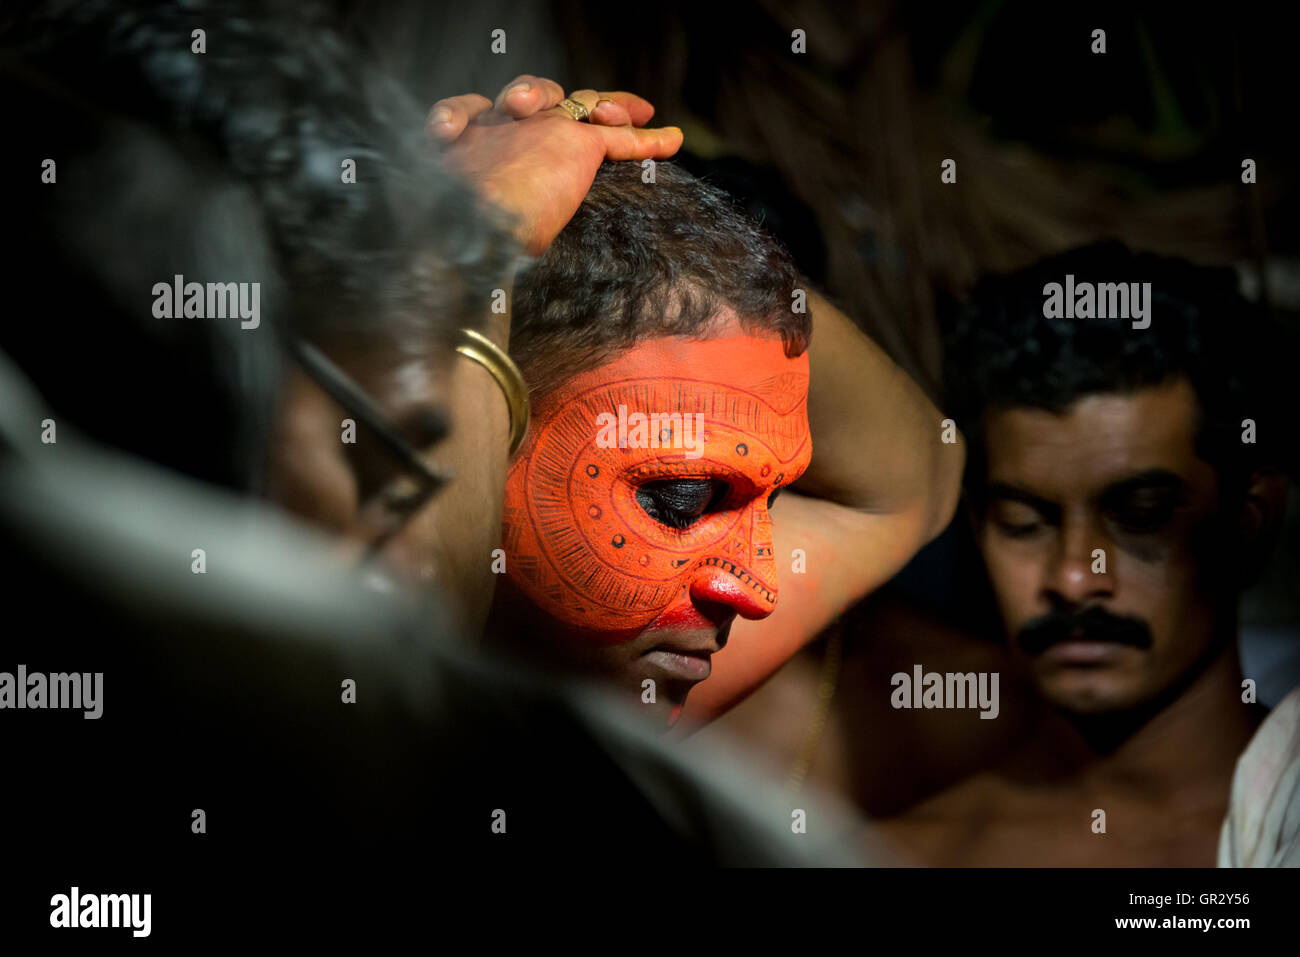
{"x":812,"y":736}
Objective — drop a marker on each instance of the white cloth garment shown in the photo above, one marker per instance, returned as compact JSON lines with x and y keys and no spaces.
{"x":1262,"y":828}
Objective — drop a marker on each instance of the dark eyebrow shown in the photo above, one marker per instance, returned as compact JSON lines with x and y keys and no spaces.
{"x":1157,"y":479}
{"x":347,"y":393}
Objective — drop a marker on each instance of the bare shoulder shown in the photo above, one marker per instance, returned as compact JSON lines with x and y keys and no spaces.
{"x":934,"y":830}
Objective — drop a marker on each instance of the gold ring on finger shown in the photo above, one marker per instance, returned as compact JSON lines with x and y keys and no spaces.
{"x":575,"y":109}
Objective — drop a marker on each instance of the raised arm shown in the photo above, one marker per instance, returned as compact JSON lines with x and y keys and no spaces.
{"x":532,"y":160}
{"x":882,"y":483}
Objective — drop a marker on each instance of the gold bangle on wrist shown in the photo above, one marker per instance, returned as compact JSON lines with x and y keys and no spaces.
{"x":492,"y":357}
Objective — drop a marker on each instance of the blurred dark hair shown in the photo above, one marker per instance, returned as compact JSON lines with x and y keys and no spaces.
{"x":643,"y":260}
{"x":221,"y":166}
{"x":1001,"y":351}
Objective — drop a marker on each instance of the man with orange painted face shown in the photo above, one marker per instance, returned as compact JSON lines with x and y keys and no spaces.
{"x":678,"y":391}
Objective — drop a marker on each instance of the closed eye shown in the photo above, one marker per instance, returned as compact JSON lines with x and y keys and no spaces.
{"x":1017,"y":519}
{"x":1144,"y":519}
{"x":1018,"y":530}
{"x":679,"y":503}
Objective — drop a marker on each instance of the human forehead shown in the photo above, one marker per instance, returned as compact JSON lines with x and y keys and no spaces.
{"x":738,"y":361}
{"x":740,"y":394}
{"x":1097,"y":441}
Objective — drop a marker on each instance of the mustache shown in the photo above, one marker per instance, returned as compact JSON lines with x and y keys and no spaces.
{"x":1092,"y":624}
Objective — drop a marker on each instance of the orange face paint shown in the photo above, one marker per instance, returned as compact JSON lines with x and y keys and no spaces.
{"x":580,"y":546}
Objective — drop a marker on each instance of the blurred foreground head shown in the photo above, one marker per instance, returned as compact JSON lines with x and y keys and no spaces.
{"x":267,"y":156}
{"x":1125,"y":481}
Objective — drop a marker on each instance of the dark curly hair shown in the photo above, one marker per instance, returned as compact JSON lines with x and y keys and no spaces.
{"x":282,"y":98}
{"x":221,"y":165}
{"x":643,"y":260}
{"x":1001,"y":351}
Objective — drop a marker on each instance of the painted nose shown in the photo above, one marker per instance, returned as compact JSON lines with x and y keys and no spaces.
{"x":742,"y":575}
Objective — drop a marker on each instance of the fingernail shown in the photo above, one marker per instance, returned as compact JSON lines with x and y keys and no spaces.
{"x":599,"y":103}
{"x":440,"y":116}
{"x":519,"y":88}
